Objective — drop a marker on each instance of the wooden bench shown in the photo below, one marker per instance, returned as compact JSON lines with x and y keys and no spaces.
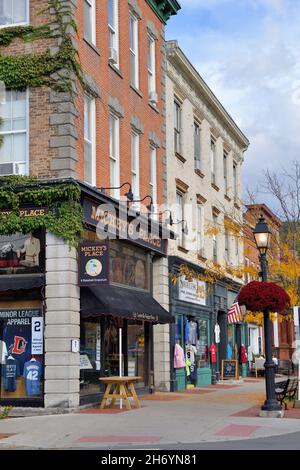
{"x":286,"y":390}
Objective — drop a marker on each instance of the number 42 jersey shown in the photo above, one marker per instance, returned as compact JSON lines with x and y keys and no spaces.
{"x":33,"y":375}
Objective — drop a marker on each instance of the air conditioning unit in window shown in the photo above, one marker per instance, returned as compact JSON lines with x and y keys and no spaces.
{"x":153,"y":97}
{"x":113,"y":55}
{"x":9,"y":169}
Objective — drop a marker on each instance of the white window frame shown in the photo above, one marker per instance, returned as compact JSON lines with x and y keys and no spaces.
{"x":225,"y":170}
{"x":227,"y":245}
{"x":213,"y":151}
{"x":235,"y":179}
{"x":180,"y":216}
{"x":197,"y":156}
{"x":247,"y":275}
{"x":114,"y":155}
{"x":92,"y":140}
{"x":152,"y":65}
{"x":113,"y":30}
{"x":215,"y":240}
{"x":26,"y":22}
{"x":135,"y":166}
{"x":200,"y":229}
{"x":22,"y":131}
{"x":177,"y":126}
{"x":153,"y":178}
{"x":92,"y":6}
{"x":134,"y":51}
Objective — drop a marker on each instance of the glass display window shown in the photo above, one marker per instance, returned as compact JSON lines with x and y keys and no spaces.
{"x":90,"y":357}
{"x":136,"y":351}
{"x":202,"y":344}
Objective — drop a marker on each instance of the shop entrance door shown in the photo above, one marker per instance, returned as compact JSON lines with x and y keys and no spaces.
{"x":222,"y":346}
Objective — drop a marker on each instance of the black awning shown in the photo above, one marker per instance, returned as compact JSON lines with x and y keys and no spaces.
{"x":21,"y":282}
{"x":122,"y":302}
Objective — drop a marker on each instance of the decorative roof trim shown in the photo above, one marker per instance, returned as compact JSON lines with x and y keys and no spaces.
{"x":164,"y":8}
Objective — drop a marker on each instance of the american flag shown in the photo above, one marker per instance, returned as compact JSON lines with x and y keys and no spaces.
{"x":234,"y":314}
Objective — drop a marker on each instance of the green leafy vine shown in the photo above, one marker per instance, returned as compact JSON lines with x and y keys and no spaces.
{"x":64,"y":215}
{"x":55,"y":70}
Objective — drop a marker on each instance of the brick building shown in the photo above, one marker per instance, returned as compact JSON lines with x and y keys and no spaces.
{"x":88,"y":108}
{"x":283,"y":333}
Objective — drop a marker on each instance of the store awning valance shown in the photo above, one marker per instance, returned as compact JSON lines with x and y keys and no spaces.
{"x":122,"y":302}
{"x":21,"y":282}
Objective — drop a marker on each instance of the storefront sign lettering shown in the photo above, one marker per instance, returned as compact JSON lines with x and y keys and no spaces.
{"x":116,"y":224}
{"x":28,"y":211}
{"x":192,"y":291}
{"x":93,"y":264}
{"x":144,"y":316}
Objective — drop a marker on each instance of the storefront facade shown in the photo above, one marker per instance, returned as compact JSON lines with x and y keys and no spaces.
{"x":67,"y":314}
{"x":191,"y":307}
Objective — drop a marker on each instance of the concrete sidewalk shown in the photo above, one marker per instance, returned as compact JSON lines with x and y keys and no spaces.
{"x":205,"y":415}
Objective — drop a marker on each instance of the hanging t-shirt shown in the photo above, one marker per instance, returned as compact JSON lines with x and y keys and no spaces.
{"x":190,"y":352}
{"x":33,"y":374}
{"x":10,"y":375}
{"x":193,"y":332}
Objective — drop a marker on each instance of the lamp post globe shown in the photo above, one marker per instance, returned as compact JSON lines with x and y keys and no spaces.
{"x":262,"y":235}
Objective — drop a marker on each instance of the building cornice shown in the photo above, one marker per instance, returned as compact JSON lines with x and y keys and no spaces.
{"x":179,"y":60}
{"x":164,"y":8}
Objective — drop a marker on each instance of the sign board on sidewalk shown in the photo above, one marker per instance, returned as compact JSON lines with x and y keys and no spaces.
{"x":230,"y":369}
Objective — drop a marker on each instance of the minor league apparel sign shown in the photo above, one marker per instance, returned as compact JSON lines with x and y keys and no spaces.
{"x":37,"y":329}
{"x":93,"y":264}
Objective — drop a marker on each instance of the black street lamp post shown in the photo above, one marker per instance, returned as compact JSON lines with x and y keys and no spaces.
{"x":262,"y":235}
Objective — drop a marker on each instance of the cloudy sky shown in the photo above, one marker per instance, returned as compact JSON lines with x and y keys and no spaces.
{"x":248,"y":52}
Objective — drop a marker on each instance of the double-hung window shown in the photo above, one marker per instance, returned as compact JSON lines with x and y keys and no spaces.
{"x":153,"y":176}
{"x":225,"y":171}
{"x":90,"y":20}
{"x":213,"y":160}
{"x":200,"y":229}
{"x":135,"y":165}
{"x":197,"y":145}
{"x":15,"y":132}
{"x":180,"y":216}
{"x":89,"y":140}
{"x":227,"y":246}
{"x":114,"y":155}
{"x":151,"y":69}
{"x":215,"y":239}
{"x":177,"y":127}
{"x":235,"y":183}
{"x":113,"y":28}
{"x":134,"y":50}
{"x":14,"y":12}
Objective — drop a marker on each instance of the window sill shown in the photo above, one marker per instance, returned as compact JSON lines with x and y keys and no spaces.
{"x":181,"y":248}
{"x":14,"y":25}
{"x":237,"y":206}
{"x":180,"y":157}
{"x":92,"y":46}
{"x":137,"y":91}
{"x":227,"y":197}
{"x":154,"y":107}
{"x":201,"y":258}
{"x":213,"y":185}
{"x":199,"y":173}
{"x":115,"y":69}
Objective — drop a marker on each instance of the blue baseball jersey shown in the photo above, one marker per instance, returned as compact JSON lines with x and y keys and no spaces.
{"x":33,"y":375}
{"x":10,"y":375}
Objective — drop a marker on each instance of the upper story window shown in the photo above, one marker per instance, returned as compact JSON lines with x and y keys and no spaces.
{"x":225,"y":170}
{"x":153,"y":176}
{"x":227,"y":246}
{"x":114,"y":155}
{"x":247,"y":274}
{"x":177,"y":127}
{"x":89,"y":140}
{"x":15,"y":131}
{"x":134,"y":50}
{"x":151,"y":70}
{"x":180,"y":216}
{"x":13,"y":12}
{"x":213,"y":159}
{"x":235,"y":182}
{"x":90,"y":20}
{"x":215,"y":239}
{"x":113,"y":28}
{"x":200,"y":229}
{"x":135,"y":165}
{"x":197,"y":145}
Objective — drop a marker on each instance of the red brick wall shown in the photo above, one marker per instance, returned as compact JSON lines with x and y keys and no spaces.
{"x":96,"y":65}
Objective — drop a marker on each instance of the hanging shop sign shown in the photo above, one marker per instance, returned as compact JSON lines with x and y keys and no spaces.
{"x":114,"y":224}
{"x":93,"y":264}
{"x":22,"y":254}
{"x":192,"y":291}
{"x":37,"y":336}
